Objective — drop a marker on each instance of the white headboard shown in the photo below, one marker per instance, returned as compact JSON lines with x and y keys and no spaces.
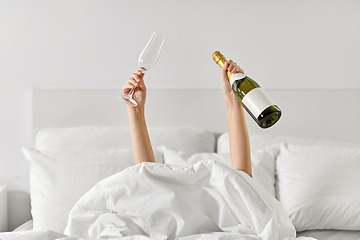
{"x":320,"y":114}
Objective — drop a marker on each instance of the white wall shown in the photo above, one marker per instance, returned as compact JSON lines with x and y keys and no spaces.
{"x":95,"y":44}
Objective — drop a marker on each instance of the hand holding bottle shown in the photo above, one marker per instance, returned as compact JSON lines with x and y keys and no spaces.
{"x":232,"y":67}
{"x":248,"y":92}
{"x":136,"y":83}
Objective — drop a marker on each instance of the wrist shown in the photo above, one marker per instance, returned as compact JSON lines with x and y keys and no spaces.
{"x":232,"y":104}
{"x":136,"y":111}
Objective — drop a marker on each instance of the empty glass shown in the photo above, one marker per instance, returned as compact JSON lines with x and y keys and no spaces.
{"x":147,"y":60}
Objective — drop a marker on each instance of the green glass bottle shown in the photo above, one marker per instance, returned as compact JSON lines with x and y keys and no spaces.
{"x":251,"y":96}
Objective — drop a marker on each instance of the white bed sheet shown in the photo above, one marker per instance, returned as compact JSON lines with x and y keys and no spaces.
{"x":22,"y":233}
{"x":318,"y":234}
{"x":27,"y":226}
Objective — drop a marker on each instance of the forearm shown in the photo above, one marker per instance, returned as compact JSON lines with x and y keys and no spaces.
{"x":239,"y":138}
{"x":238,"y":133}
{"x":142,"y":148}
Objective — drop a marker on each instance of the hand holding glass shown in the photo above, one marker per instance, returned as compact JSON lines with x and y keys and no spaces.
{"x":147,"y":60}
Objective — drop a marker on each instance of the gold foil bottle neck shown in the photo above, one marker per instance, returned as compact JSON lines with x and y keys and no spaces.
{"x":220,"y":60}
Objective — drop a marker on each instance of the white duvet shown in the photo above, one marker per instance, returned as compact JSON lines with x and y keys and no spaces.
{"x":157,"y":201}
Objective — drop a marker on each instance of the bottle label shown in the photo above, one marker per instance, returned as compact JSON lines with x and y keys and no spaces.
{"x":236,"y":76}
{"x":257,"y":101}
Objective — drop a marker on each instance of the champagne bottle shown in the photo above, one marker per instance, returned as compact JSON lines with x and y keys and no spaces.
{"x":251,"y":96}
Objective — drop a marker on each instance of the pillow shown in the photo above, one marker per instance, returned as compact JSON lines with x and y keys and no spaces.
{"x":319,"y":186}
{"x":262,"y":162}
{"x":59,"y":179}
{"x":187,"y":139}
{"x":261,"y":141}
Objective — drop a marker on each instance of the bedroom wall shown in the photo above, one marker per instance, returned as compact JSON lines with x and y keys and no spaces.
{"x":95,"y":44}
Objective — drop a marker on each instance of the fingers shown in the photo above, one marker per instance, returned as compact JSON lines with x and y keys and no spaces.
{"x":224,"y":71}
{"x":233,"y":67}
{"x":136,"y":78}
{"x":127,"y":88}
{"x":135,"y":81}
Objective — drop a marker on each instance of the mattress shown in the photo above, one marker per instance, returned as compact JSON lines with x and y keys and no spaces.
{"x":331,"y":234}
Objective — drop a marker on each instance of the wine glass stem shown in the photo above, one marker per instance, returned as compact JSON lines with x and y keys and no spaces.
{"x":131,"y":92}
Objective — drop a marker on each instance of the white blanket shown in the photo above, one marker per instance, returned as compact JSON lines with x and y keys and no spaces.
{"x":205,"y":201}
{"x":157,"y":201}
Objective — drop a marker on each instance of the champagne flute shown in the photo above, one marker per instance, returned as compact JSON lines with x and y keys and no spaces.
{"x":147,"y":60}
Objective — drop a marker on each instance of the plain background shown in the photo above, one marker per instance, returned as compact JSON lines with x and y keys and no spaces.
{"x":90,"y":44}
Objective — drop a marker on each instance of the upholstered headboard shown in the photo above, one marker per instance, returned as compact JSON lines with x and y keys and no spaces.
{"x":330,"y":114}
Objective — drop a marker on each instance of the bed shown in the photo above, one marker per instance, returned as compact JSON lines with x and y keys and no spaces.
{"x":308,"y":161}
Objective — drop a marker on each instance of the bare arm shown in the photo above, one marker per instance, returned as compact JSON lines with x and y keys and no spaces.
{"x":238,"y":133}
{"x":139,"y":134}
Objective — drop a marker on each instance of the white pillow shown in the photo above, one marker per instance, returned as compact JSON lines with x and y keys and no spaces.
{"x":319,"y":186}
{"x":261,"y":141}
{"x":187,"y":139}
{"x":262,"y":162}
{"x":59,"y":179}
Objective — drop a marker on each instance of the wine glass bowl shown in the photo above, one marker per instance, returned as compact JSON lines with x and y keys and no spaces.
{"x":147,"y":60}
